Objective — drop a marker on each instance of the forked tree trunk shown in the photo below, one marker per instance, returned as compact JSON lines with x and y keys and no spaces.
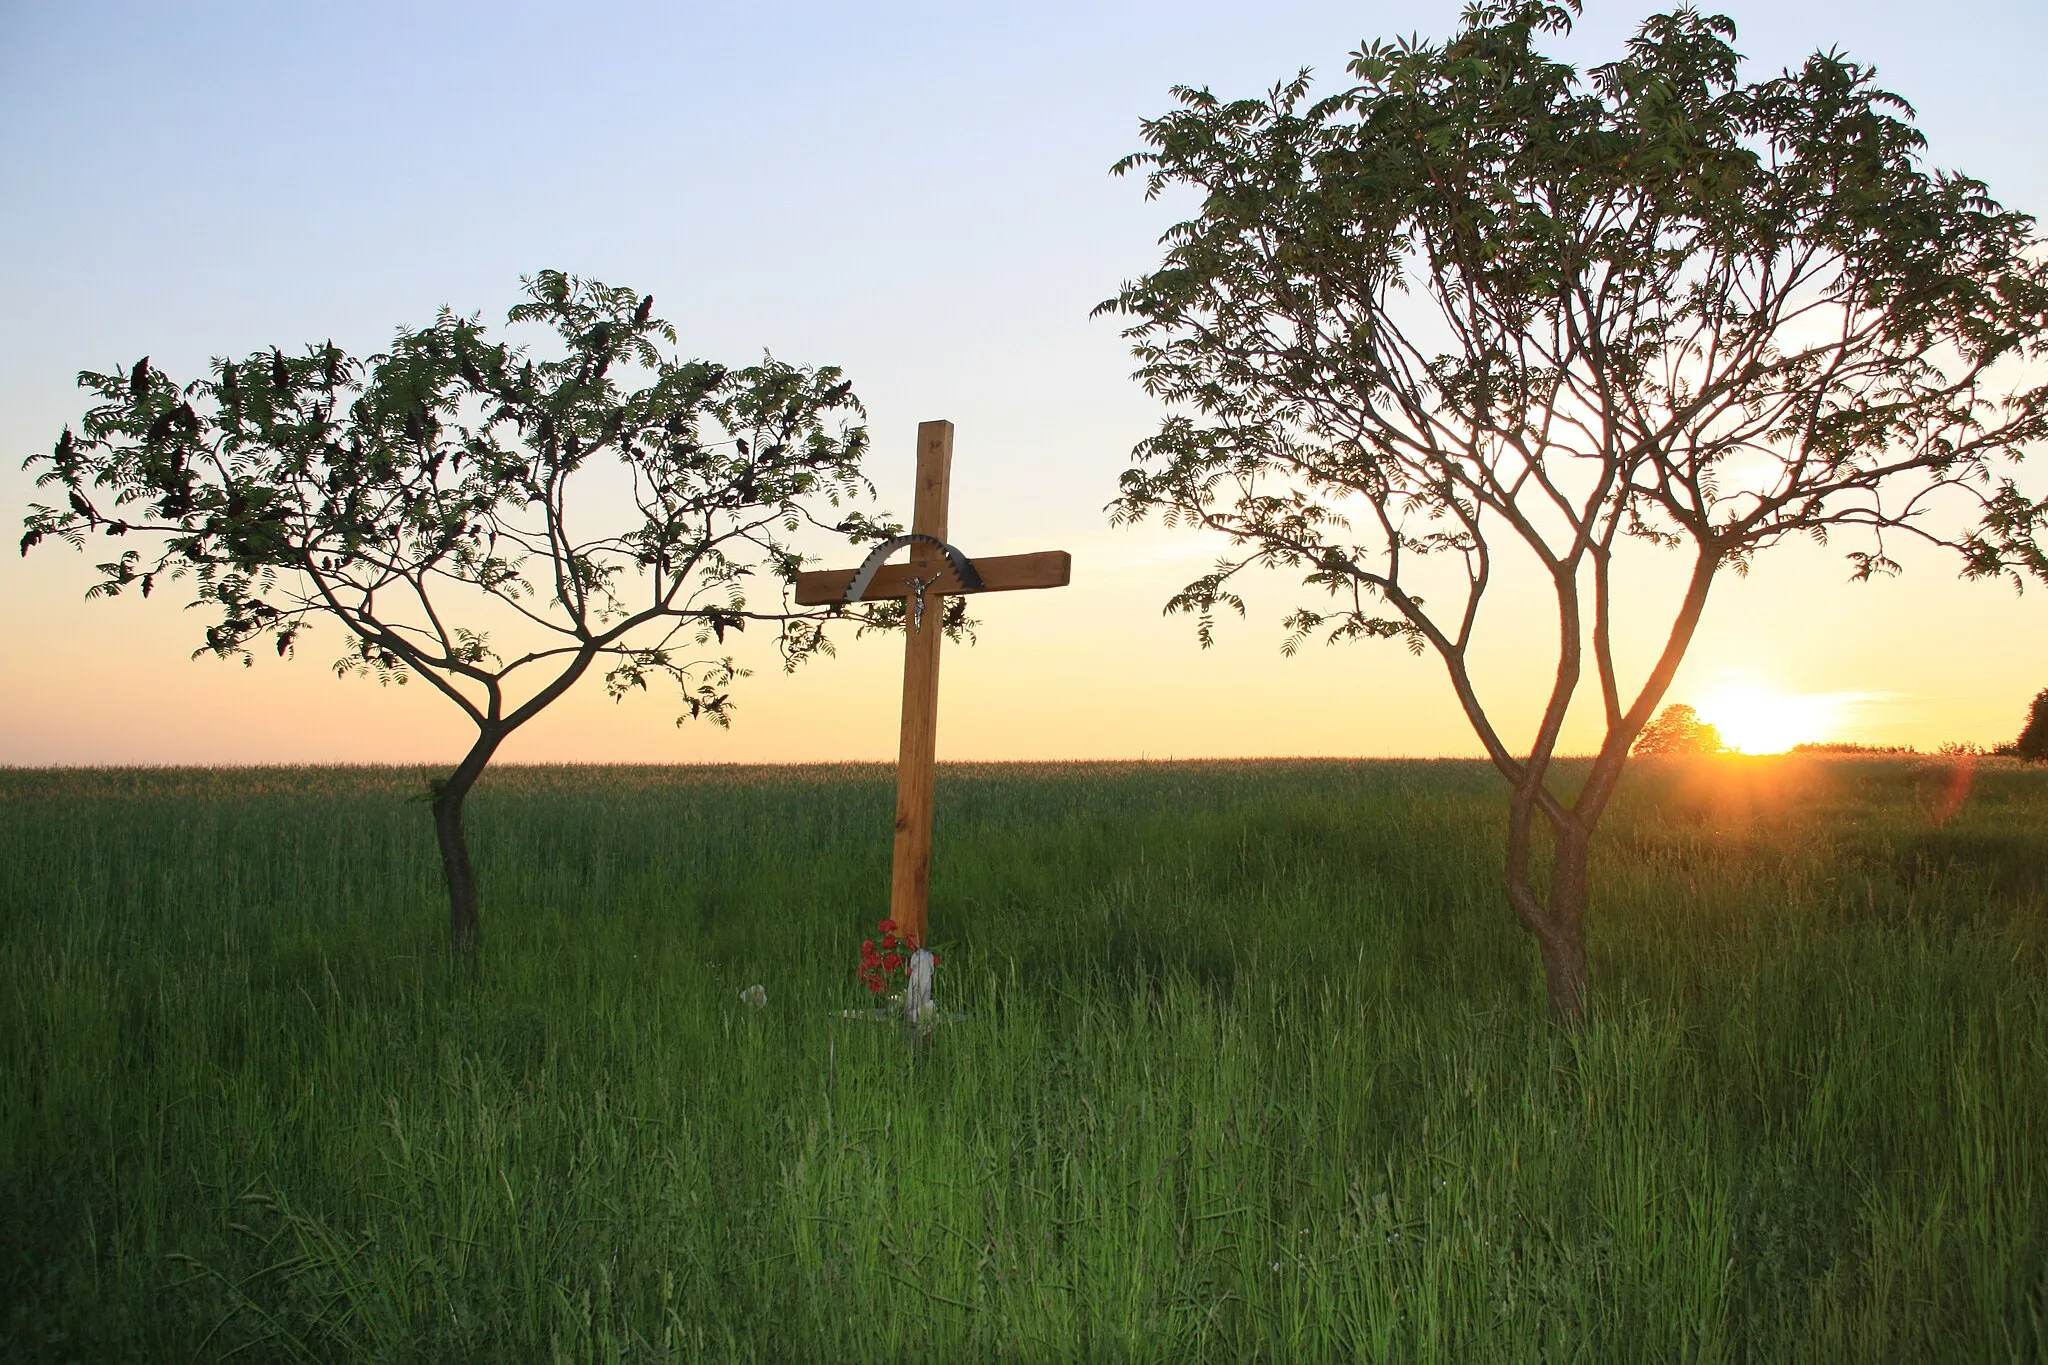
{"x":464,"y":924}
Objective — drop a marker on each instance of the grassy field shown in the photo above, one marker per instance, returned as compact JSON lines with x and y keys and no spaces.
{"x":1254,"y":1069}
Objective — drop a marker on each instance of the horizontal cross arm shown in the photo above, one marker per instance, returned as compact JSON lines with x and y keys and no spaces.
{"x":999,"y":573}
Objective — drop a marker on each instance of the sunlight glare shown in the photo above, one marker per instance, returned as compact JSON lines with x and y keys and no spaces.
{"x":1756,"y":718}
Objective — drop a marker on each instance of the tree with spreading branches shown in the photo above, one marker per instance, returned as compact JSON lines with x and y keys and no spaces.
{"x":495,"y":519}
{"x":1481,"y":316}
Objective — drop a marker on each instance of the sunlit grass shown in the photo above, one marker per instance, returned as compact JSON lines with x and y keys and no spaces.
{"x":1254,"y":1068}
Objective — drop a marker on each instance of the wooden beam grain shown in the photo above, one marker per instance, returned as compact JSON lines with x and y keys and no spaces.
{"x":910,"y":877}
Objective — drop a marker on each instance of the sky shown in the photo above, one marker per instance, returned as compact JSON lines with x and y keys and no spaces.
{"x":917,"y":193}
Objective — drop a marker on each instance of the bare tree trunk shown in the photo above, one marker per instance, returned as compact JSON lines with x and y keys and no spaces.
{"x":449,"y":793}
{"x":464,"y":926}
{"x":1564,"y":976}
{"x":1563,"y":935}
{"x":1557,"y":920}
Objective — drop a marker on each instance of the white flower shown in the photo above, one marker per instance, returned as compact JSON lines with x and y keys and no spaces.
{"x":756,"y":995}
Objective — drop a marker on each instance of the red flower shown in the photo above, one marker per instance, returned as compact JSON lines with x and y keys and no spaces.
{"x":883,"y":964}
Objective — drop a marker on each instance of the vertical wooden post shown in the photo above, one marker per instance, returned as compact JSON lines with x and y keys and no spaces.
{"x":910,"y":883}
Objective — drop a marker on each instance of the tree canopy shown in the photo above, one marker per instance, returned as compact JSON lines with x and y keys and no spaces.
{"x":1481,"y":314}
{"x":490,"y":517}
{"x":1678,"y":729}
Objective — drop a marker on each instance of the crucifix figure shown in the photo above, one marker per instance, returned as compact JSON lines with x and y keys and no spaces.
{"x":935,"y":570}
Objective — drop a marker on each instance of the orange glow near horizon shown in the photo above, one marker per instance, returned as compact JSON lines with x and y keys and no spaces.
{"x":1756,"y":718}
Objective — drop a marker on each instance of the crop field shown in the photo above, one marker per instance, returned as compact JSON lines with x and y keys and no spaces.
{"x":1253,"y":1066}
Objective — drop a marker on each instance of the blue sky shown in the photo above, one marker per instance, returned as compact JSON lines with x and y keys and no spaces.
{"x":916,"y":192}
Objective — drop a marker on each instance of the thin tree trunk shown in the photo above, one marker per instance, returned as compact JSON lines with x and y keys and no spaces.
{"x":1564,"y":975}
{"x":464,"y":923}
{"x":1563,"y":937}
{"x":1557,"y":921}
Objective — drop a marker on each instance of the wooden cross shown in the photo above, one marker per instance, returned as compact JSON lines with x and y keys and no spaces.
{"x":935,"y":570}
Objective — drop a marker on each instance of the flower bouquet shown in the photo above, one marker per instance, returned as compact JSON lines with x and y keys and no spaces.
{"x":899,"y":968}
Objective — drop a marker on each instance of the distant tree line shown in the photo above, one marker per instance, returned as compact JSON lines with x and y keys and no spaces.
{"x":1678,"y":729}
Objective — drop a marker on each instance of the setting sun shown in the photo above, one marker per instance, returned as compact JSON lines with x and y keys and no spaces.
{"x":1756,"y":718}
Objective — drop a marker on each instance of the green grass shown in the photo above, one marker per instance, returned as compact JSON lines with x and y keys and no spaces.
{"x":1255,"y":1068}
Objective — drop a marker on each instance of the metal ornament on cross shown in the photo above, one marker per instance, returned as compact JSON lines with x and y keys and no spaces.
{"x":935,"y":570}
{"x":962,"y":567}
